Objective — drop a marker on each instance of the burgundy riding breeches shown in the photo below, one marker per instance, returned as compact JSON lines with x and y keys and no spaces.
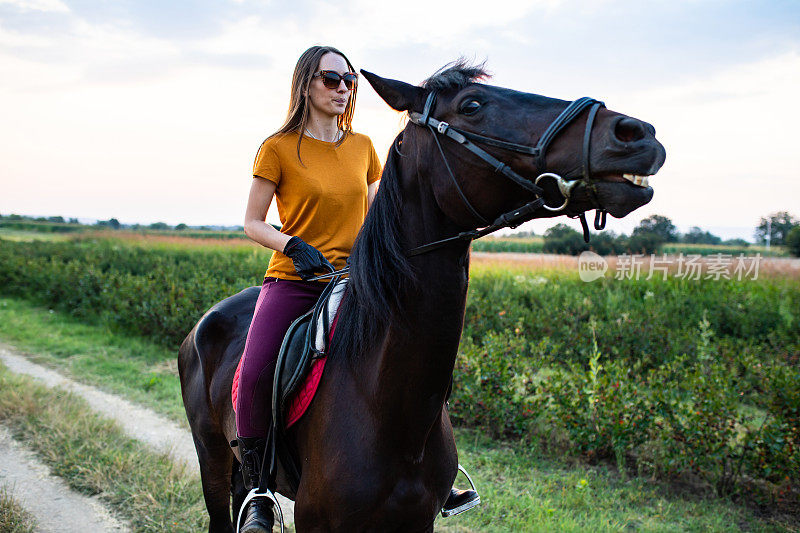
{"x":280,"y":302}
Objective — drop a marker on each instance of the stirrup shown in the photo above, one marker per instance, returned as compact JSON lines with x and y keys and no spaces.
{"x":253,"y":494}
{"x":468,"y":505}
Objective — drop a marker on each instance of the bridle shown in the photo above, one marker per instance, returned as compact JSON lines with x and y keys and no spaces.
{"x":514,"y":218}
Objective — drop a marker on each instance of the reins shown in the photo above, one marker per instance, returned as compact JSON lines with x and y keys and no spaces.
{"x":513,"y":218}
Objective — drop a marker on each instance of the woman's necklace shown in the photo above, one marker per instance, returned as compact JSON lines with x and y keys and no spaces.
{"x":338,"y":135}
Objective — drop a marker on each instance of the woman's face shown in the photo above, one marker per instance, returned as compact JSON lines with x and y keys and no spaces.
{"x":329,"y":102}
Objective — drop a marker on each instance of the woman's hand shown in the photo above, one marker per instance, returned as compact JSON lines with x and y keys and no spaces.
{"x":307,"y":259}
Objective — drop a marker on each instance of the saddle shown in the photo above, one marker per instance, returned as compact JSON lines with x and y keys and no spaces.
{"x":301,"y":360}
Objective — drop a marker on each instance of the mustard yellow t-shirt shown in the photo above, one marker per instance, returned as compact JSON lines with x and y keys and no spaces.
{"x":323,"y":200}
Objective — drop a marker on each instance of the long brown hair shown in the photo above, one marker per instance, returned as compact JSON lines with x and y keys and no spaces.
{"x":297,"y":117}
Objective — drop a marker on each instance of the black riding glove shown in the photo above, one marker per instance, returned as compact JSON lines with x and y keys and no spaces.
{"x":307,"y":259}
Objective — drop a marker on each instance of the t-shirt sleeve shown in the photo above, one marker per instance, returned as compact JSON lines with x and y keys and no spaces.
{"x":374,"y":171}
{"x":267,"y":165}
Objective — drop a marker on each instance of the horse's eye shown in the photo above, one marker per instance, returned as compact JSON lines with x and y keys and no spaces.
{"x":470,"y":107}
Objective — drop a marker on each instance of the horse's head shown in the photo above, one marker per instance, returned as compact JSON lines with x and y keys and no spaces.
{"x":618,"y":150}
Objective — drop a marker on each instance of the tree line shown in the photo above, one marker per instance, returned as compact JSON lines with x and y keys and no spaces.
{"x":780,"y":229}
{"x":114,"y":224}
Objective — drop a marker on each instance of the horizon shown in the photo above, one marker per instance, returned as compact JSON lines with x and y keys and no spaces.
{"x":725,"y":233}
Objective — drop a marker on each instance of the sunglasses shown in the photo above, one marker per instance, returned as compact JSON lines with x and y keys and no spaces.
{"x":331,"y":79}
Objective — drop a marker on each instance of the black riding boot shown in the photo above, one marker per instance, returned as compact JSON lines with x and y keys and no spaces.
{"x":258,"y":517}
{"x":460,"y":500}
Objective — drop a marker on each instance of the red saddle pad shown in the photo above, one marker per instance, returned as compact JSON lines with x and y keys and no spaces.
{"x":305,"y":395}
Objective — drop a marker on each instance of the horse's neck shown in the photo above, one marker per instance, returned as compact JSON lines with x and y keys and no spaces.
{"x":416,"y":367}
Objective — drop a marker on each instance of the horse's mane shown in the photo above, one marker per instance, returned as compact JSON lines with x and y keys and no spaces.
{"x":379,"y":268}
{"x":456,"y":75}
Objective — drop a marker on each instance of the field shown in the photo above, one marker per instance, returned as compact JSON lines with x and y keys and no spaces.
{"x":524,"y":489}
{"x":690,"y":384}
{"x":535,"y":245}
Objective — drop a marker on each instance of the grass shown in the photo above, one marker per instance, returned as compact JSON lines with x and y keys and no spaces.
{"x":708,"y":249}
{"x":13,"y":518}
{"x":522,"y":491}
{"x":172,"y":241}
{"x":94,"y":456}
{"x":29,"y":236}
{"x":500,"y":244}
{"x":120,"y":364}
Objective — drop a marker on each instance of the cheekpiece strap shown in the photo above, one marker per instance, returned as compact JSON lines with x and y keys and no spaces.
{"x":426,"y":111}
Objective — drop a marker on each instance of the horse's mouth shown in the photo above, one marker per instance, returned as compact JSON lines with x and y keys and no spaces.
{"x":636,"y":179}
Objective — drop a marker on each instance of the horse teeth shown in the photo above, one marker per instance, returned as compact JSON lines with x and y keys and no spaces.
{"x":641,"y":181}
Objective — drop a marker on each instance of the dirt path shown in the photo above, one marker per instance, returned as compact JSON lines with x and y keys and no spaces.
{"x":138,"y":423}
{"x":54,"y":505}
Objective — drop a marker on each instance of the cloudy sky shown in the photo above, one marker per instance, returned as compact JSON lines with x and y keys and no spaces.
{"x":149,"y":111}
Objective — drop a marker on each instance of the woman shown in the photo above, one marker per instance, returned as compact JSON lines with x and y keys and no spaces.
{"x":324,"y":176}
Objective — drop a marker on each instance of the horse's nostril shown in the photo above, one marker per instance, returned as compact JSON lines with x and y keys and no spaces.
{"x":630,"y":130}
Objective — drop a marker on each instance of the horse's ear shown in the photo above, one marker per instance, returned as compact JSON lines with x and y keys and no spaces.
{"x":398,"y":94}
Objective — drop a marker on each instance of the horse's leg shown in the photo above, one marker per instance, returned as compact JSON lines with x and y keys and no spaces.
{"x":216,"y":465}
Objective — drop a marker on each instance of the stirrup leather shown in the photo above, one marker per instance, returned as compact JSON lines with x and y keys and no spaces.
{"x":253,"y":494}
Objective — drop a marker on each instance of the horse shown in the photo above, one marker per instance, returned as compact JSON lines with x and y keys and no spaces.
{"x":376,"y":445}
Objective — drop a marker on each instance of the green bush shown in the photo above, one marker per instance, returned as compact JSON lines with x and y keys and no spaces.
{"x":672,"y":376}
{"x":699,"y":422}
{"x":776,"y":447}
{"x":494,"y":384}
{"x":161,"y":292}
{"x":42,"y":227}
{"x":604,"y":410}
{"x":648,"y":321}
{"x":692,"y":415}
{"x":156,"y":293}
